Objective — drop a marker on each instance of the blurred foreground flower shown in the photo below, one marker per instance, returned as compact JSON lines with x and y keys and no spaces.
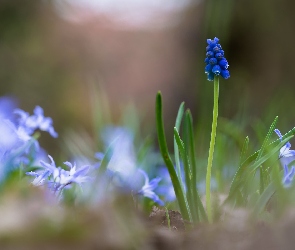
{"x":166,"y":188}
{"x":57,"y":178}
{"x":285,"y":150}
{"x":216,"y":63}
{"x":148,"y":188}
{"x":288,"y":176}
{"x":123,"y":160}
{"x":37,"y":121}
{"x":122,"y":168}
{"x":18,"y":145}
{"x":286,"y":156}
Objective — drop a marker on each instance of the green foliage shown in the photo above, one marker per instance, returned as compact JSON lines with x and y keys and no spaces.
{"x":257,"y":179}
{"x":167,"y":159}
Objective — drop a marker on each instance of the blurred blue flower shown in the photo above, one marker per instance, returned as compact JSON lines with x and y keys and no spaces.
{"x":57,"y":178}
{"x":286,"y":156}
{"x":13,"y":150}
{"x":99,"y":156}
{"x":166,"y":188}
{"x":123,"y":161}
{"x":288,"y":176}
{"x":42,"y":176}
{"x":29,"y":124}
{"x":8,"y":136}
{"x":216,"y":64}
{"x":7,"y":105}
{"x":285,"y":150}
{"x":147,"y":189}
{"x":17,"y":146}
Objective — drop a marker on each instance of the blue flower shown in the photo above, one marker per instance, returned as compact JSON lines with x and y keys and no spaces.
{"x":216,"y":64}
{"x":288,"y":176}
{"x":37,"y":121}
{"x":148,"y":188}
{"x":166,"y":188}
{"x":99,"y":156}
{"x":7,"y":105}
{"x":58,"y":178}
{"x":286,"y":156}
{"x":123,"y":160}
{"x":9,"y":139}
{"x":285,"y":150}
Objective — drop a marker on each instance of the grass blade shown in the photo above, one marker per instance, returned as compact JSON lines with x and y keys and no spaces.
{"x":264,"y":198}
{"x":254,"y":155}
{"x":237,"y":180}
{"x":269,"y":133}
{"x":244,"y":150}
{"x":263,"y":173}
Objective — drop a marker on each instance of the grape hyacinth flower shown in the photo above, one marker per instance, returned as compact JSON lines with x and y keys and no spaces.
{"x":216,"y":63}
{"x":148,"y":188}
{"x":57,"y":178}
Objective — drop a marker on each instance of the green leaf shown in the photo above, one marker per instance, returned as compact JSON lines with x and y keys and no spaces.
{"x":265,"y":142}
{"x":253,"y":167}
{"x":184,"y":209}
{"x":192,"y":156}
{"x":187,"y":172}
{"x":264,"y":198}
{"x":176,"y":150}
{"x":263,"y":173}
{"x":239,"y":176}
{"x":254,"y":156}
{"x":244,"y":150}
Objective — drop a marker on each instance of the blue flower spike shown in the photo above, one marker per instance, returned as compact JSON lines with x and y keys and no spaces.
{"x":285,"y":150}
{"x":148,"y":188}
{"x":216,"y":63}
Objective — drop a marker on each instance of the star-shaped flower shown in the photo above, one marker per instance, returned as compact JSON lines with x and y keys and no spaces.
{"x":58,"y":178}
{"x":148,"y":188}
{"x":288,"y":176}
{"x":36,"y":121}
{"x":285,"y":150}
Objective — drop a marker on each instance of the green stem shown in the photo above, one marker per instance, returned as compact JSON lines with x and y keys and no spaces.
{"x":168,"y":219}
{"x":211,"y":149}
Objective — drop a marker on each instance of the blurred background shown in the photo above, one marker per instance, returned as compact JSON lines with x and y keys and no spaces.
{"x":56,"y":53}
